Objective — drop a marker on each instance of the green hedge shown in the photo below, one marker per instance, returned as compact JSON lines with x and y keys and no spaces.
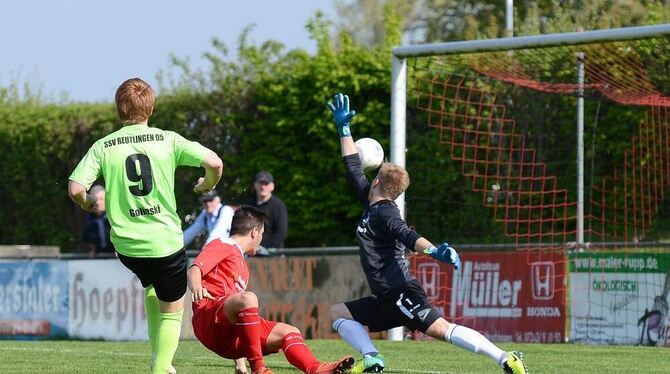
{"x":39,"y":146}
{"x":266,"y":111}
{"x":269,"y":115}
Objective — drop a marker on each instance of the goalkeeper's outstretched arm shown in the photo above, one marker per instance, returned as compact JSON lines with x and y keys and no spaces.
{"x":348,"y":146}
{"x":342,"y":116}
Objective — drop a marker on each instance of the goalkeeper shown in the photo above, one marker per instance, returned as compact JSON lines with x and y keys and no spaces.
{"x":397,"y":298}
{"x":225,"y":315}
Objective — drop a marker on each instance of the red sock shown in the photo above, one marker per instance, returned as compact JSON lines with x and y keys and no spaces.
{"x":297,"y":352}
{"x":247,"y":327}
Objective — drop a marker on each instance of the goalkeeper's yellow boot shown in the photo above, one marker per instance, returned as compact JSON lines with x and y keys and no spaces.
{"x":514,"y":364}
{"x":369,"y":364}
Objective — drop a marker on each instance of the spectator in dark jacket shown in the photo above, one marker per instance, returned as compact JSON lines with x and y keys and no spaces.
{"x":96,"y":232}
{"x":276,"y":227}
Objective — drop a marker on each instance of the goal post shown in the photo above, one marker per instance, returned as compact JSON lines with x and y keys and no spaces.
{"x":634,"y":194}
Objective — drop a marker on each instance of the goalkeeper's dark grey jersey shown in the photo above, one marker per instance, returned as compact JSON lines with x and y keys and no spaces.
{"x":382,"y":235}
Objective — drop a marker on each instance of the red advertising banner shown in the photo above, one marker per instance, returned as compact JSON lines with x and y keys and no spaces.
{"x":507,"y":296}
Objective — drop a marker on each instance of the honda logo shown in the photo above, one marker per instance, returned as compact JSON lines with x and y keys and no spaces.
{"x":429,"y":277}
{"x":543,"y":277}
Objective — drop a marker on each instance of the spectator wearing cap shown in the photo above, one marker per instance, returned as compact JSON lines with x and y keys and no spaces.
{"x":276,"y":226}
{"x":215,"y":218}
{"x":96,"y":232}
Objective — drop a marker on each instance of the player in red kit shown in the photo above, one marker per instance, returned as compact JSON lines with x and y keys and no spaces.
{"x":225,"y":315}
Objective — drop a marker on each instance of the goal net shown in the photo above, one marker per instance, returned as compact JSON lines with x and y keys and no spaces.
{"x":495,"y":150}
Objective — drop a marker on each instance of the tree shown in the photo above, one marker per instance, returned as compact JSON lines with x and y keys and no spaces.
{"x":365,"y":20}
{"x":427,"y":21}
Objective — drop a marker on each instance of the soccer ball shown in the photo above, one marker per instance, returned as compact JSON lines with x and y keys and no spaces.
{"x":370,"y":152}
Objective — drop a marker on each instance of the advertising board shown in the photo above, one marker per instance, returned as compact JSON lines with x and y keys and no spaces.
{"x":507,"y":296}
{"x":33,"y":299}
{"x":620,"y":298}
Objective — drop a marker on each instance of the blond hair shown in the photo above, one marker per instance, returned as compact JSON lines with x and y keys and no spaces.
{"x":393,"y":180}
{"x":134,"y":101}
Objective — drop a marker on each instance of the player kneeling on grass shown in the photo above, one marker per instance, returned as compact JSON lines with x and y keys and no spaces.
{"x":398,"y":299}
{"x":225,"y":316}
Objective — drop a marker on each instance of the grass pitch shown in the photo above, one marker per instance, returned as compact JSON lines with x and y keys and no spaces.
{"x":402,"y":357}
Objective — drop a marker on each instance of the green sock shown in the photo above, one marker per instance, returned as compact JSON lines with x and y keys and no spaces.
{"x":167,"y":340}
{"x":153,"y":311}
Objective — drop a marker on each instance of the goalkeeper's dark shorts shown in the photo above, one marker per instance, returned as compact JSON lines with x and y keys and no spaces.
{"x":166,"y":274}
{"x":407,"y":306}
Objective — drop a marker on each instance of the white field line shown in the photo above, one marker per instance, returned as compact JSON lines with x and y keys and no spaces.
{"x":65,"y":350}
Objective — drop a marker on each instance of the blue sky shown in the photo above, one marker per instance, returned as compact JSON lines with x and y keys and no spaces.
{"x":86,"y":48}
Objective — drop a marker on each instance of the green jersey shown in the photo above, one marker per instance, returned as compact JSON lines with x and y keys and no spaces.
{"x":138,"y":164}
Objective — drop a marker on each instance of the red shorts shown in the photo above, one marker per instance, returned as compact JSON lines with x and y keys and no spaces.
{"x":219,"y":335}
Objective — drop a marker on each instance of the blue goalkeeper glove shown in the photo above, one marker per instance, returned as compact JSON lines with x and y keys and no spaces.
{"x":342,"y":114}
{"x":444,"y":253}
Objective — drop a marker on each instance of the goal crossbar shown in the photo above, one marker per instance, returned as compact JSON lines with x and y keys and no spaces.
{"x":533,"y":41}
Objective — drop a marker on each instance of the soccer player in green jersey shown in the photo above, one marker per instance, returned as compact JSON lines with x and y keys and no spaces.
{"x":138,"y":164}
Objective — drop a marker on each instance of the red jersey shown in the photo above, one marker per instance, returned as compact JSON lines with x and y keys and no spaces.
{"x":224,"y":271}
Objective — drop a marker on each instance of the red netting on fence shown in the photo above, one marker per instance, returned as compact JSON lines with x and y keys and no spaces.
{"x":616,"y":70}
{"x":616,"y":296}
{"x":482,"y":136}
{"x":524,"y":197}
{"x":625,"y":203}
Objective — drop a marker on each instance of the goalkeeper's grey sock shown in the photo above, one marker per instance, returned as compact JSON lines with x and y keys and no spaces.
{"x":355,"y":335}
{"x":475,"y":342}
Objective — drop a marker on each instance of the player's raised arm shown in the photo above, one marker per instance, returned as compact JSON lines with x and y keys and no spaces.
{"x":342,"y":116}
{"x":213,"y":171}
